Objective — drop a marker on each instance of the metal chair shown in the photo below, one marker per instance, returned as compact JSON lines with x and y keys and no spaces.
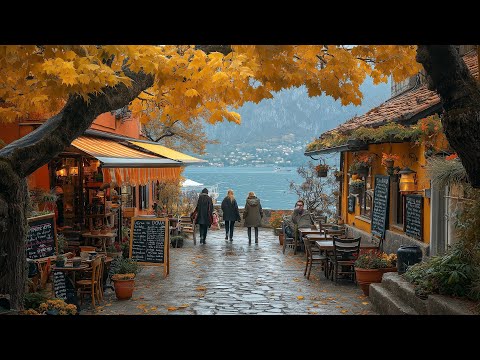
{"x":287,"y":240}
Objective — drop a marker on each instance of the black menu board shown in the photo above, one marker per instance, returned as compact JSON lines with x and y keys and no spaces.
{"x":380,"y":211}
{"x":414,"y":216}
{"x":351,"y":203}
{"x":149,"y":240}
{"x":60,"y":285}
{"x":41,"y":237}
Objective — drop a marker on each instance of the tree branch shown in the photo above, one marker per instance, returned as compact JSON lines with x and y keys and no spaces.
{"x":38,"y":147}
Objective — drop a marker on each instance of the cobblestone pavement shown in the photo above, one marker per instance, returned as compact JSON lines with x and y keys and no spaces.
{"x":223,"y":277}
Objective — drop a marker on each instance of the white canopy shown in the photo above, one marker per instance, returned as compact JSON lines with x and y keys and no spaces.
{"x":189,"y":182}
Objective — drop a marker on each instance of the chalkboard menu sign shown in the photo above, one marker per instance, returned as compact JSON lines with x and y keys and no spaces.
{"x":380,"y":211}
{"x":41,"y":237}
{"x":414,"y":216}
{"x":149,"y":240}
{"x":351,"y":203}
{"x":60,"y":285}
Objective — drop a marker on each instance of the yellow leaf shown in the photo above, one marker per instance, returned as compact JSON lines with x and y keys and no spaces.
{"x":315,"y":305}
{"x":299,"y":297}
{"x":183,"y":306}
{"x":344,"y":311}
{"x":365,"y":303}
{"x":191,"y":93}
{"x":172,"y":308}
{"x":201,"y":288}
{"x":153,"y":308}
{"x":219,"y":76}
{"x":296,"y":279}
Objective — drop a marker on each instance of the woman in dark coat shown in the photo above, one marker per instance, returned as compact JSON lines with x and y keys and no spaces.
{"x":230,"y":213}
{"x":204,"y":211}
{"x":253,"y":215}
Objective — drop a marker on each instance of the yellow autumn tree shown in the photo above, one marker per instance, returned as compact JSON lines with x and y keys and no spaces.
{"x":72,"y":85}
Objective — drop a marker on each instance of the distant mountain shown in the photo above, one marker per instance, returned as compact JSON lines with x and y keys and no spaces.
{"x":291,"y":117}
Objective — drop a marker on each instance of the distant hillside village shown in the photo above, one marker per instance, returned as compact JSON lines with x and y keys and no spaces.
{"x":284,"y":154}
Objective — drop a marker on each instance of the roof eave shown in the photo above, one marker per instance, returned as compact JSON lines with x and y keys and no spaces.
{"x":352,"y":146}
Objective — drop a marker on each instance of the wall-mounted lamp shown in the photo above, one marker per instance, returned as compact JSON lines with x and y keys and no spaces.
{"x":407,"y":180}
{"x":73,"y":171}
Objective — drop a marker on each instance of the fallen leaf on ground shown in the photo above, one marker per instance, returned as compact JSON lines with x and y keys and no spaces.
{"x":300,"y":297}
{"x":183,"y":306}
{"x":142,"y":306}
{"x":172,"y":308}
{"x":323,"y":302}
{"x":315,"y":305}
{"x":339,"y":307}
{"x":313,"y":312}
{"x":365,"y":303}
{"x":109,"y":304}
{"x":344,"y":311}
{"x":201,"y":288}
{"x":153,"y":308}
{"x":296,"y":279}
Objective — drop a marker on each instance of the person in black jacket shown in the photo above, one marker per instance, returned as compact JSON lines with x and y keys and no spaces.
{"x":204,"y":211}
{"x":230,"y":213}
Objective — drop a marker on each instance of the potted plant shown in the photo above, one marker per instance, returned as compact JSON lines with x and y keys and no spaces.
{"x":124,"y":271}
{"x":322,"y":170}
{"x":356,"y":186}
{"x":60,"y":260}
{"x":114,"y":250}
{"x":370,"y":267}
{"x":388,"y":161}
{"x":338,"y":175}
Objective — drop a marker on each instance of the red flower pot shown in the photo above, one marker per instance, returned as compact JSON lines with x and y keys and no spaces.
{"x":367,"y":276}
{"x":124,"y":288}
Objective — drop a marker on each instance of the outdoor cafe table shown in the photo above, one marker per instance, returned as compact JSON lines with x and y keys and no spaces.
{"x":327,"y":245}
{"x":308,"y":231}
{"x":71,"y":270}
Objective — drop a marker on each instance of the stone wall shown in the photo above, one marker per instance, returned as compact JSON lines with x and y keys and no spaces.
{"x":267,"y":214}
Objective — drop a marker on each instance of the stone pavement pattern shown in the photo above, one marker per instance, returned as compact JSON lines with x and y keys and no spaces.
{"x":230,"y":278}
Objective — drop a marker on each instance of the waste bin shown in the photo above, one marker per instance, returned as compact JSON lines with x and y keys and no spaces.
{"x":407,"y":256}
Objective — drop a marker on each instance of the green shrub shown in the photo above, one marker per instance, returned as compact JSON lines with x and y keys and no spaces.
{"x":34,"y":299}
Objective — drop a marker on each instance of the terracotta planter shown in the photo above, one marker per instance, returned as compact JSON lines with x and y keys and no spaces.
{"x":367,"y":276}
{"x":124,"y":288}
{"x":354,"y":176}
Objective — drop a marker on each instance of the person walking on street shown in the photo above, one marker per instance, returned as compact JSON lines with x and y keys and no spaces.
{"x":230,"y":213}
{"x":204,"y":212}
{"x":253,"y":215}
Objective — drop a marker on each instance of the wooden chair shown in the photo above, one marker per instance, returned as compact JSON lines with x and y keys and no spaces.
{"x":313,"y":257}
{"x":188,"y":227}
{"x":93,"y":286}
{"x":345,"y":252}
{"x":342,"y":232}
{"x":287,"y":240}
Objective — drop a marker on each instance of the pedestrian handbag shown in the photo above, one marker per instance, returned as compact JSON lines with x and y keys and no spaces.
{"x":193,"y":216}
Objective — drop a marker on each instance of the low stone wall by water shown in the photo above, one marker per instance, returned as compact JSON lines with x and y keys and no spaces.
{"x":267,"y":214}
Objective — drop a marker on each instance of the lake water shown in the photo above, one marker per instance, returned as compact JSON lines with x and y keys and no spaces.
{"x":269,"y":184}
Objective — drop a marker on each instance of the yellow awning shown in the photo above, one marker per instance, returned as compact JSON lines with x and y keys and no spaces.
{"x":121,"y":164}
{"x":115,"y":155}
{"x":166,"y":152}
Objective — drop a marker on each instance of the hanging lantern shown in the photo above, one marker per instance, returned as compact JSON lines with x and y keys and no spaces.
{"x":407,"y":180}
{"x":73,"y":171}
{"x":62,"y":172}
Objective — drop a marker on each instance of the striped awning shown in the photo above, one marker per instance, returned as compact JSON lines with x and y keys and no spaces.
{"x":114,"y":155}
{"x":121,"y":164}
{"x":166,"y":152}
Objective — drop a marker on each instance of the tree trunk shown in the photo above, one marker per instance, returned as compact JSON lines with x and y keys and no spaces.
{"x":450,"y":78}
{"x":13,"y":226}
{"x":22,"y":157}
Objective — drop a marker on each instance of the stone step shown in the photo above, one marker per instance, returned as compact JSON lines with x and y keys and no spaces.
{"x":403,"y":290}
{"x":385,"y":303}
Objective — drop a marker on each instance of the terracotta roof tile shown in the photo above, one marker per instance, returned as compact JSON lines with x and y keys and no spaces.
{"x":403,"y":107}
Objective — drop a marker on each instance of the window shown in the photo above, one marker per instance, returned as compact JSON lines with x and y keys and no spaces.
{"x":397,"y":203}
{"x":366,"y":203}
